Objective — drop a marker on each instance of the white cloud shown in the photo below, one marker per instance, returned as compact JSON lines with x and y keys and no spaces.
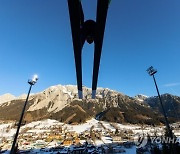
{"x":172,"y":84}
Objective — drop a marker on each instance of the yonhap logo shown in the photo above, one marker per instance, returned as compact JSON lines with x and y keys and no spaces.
{"x":140,"y":141}
{"x":165,"y":139}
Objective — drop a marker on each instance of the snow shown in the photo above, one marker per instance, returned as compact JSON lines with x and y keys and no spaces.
{"x":37,"y":131}
{"x":130,"y":127}
{"x":3,"y":126}
{"x":43,"y":124}
{"x":4,"y":132}
{"x":66,"y":91}
{"x":143,"y":95}
{"x":82,"y":127}
{"x":141,"y":100}
{"x":39,"y":127}
{"x":52,"y":144}
{"x":177,"y":133}
{"x":108,"y":126}
{"x":140,"y":97}
{"x":106,"y":140}
{"x":99,"y":142}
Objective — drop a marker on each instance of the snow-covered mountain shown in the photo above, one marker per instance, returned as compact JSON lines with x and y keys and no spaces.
{"x":55,"y":98}
{"x":141,"y":97}
{"x":61,"y":103}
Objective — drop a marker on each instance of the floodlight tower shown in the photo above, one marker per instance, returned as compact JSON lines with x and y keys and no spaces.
{"x":31,"y":82}
{"x":151,"y":71}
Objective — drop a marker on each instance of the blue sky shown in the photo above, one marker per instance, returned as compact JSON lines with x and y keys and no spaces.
{"x":35,"y":37}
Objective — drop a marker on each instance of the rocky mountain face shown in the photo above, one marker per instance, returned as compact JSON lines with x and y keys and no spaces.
{"x":62,"y":103}
{"x":141,"y":97}
{"x":171,"y":105}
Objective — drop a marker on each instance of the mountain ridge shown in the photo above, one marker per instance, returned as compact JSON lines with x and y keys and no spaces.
{"x":61,"y":103}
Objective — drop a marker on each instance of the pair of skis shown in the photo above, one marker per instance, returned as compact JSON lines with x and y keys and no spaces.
{"x":90,"y":31}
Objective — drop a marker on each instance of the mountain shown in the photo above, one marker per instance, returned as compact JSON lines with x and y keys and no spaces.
{"x":141,"y":97}
{"x":61,"y":103}
{"x":6,"y":98}
{"x":171,"y":104}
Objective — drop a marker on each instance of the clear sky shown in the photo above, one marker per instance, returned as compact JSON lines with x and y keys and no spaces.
{"x":35,"y":37}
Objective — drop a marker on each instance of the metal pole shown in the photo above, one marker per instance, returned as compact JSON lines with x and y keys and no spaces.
{"x":165,"y":116}
{"x":20,"y":121}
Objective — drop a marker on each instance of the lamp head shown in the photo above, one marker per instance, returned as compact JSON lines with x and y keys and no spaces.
{"x":33,"y":80}
{"x":151,"y":71}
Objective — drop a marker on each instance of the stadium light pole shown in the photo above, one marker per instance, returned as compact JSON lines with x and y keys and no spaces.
{"x":31,"y":82}
{"x":151,"y":71}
